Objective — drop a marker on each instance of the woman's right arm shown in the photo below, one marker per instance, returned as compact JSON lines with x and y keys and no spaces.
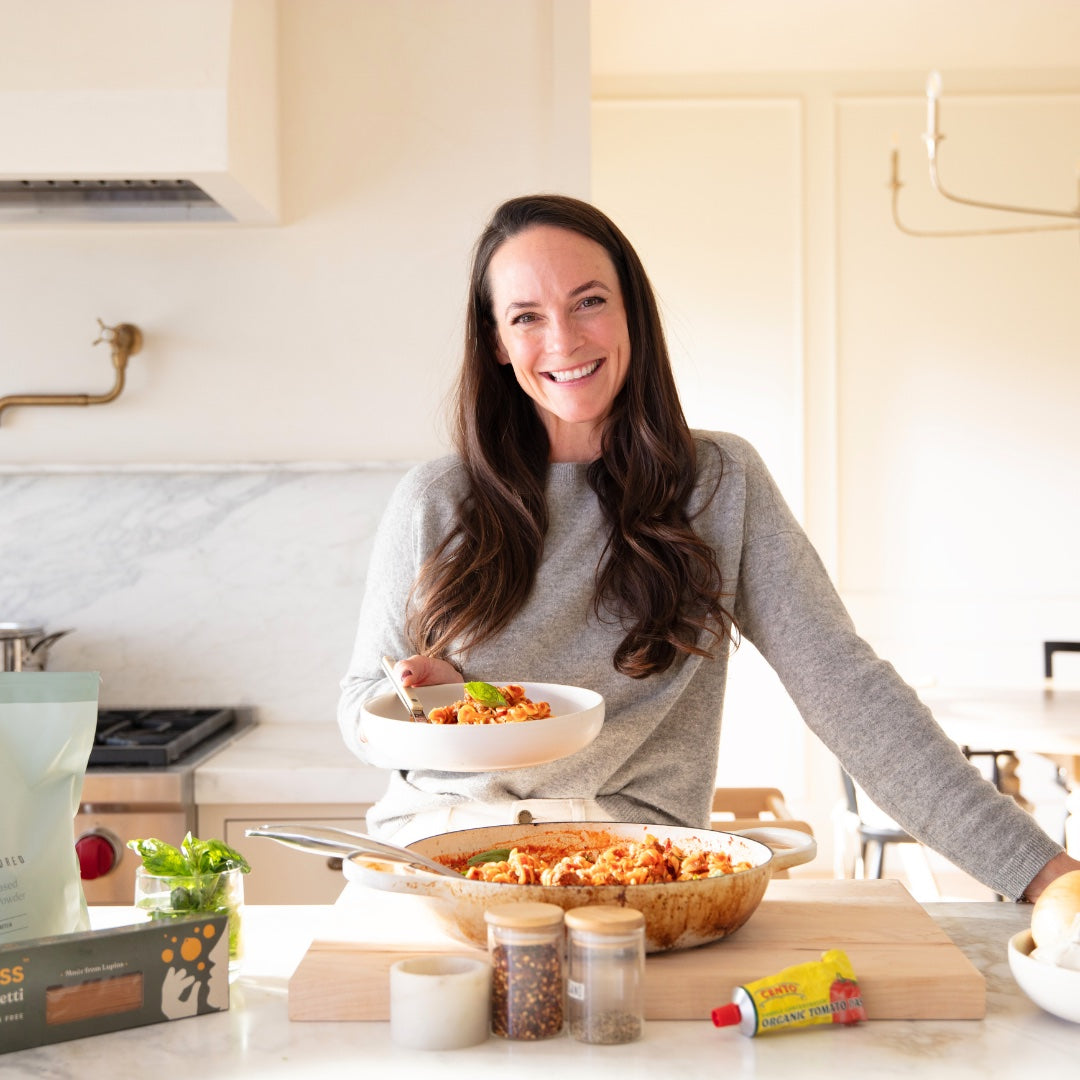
{"x":381,"y":626}
{"x":416,"y":517}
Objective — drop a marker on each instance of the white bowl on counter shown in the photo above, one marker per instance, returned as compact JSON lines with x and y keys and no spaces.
{"x":1055,"y":989}
{"x":393,"y":741}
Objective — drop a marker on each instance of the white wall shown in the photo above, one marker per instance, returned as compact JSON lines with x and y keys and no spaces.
{"x":959,"y":388}
{"x":916,"y":398}
{"x":334,"y":336}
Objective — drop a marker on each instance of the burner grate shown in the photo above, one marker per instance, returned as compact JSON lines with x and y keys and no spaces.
{"x":153,"y":737}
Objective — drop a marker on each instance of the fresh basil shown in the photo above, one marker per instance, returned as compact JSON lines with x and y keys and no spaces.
{"x":161,"y":859}
{"x":197,"y":877}
{"x":485,"y":693}
{"x":496,"y":855}
{"x":194,"y":856}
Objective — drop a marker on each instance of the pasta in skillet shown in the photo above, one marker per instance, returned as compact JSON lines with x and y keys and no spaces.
{"x":649,"y":862}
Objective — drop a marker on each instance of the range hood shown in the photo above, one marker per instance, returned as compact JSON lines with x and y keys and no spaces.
{"x":138,"y":111}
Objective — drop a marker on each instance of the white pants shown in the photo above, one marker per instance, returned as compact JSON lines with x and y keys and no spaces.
{"x":477,"y":815}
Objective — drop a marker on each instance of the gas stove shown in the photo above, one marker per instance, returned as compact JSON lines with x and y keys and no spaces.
{"x":154,"y":737}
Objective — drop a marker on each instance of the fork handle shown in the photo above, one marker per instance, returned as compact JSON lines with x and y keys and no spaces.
{"x":408,"y":698}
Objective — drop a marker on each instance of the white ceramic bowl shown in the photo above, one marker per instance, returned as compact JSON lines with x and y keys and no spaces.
{"x":1055,"y":989}
{"x":392,"y":741}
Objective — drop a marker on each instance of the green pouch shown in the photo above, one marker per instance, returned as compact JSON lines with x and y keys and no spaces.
{"x":47,"y":723}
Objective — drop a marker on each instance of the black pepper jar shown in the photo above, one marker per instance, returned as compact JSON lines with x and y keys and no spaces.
{"x":525,"y":942}
{"x":606,"y":976}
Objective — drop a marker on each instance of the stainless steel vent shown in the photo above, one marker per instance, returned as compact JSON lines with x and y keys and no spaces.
{"x":107,"y":200}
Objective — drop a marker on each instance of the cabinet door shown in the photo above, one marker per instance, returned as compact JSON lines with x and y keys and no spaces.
{"x":279,"y":874}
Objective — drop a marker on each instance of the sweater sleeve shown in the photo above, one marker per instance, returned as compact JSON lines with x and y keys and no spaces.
{"x":858,"y":705}
{"x":405,"y":534}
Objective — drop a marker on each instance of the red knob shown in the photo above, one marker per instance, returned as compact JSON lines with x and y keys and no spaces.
{"x":98,"y":853}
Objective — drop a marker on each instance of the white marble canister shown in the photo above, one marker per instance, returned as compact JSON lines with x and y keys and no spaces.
{"x":440,"y":1002}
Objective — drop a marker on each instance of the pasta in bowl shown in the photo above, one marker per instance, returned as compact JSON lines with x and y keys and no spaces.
{"x":392,"y":740}
{"x":506,"y":705}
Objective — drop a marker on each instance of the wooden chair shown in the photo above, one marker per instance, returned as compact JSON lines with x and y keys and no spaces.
{"x":747,"y":808}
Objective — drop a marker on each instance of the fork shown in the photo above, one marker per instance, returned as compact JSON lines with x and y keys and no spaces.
{"x":410,"y":700}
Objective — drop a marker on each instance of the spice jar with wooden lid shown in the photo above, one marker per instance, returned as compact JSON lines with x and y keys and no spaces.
{"x":606,"y":974}
{"x":525,"y":943}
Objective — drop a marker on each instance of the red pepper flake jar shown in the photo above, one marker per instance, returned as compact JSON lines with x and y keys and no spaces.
{"x":525,"y":943}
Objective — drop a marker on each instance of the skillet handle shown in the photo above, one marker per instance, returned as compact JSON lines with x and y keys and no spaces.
{"x":790,"y":847}
{"x":325,"y":838}
{"x":345,"y":853}
{"x":299,"y":837}
{"x":389,"y":875}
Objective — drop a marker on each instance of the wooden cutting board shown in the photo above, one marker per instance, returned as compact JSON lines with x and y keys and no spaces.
{"x":907,"y":966}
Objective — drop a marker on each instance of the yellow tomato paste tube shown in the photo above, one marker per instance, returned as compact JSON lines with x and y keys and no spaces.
{"x":822,"y":991}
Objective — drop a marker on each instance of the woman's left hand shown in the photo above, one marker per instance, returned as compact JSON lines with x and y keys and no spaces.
{"x":1058,"y":865}
{"x":426,"y":671}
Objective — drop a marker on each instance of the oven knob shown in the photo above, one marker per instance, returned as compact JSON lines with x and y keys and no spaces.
{"x":98,"y":851}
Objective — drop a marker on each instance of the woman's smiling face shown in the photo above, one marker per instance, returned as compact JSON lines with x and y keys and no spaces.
{"x":561,"y":324}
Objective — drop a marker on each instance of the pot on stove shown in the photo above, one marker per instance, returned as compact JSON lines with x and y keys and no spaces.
{"x":24,"y":647}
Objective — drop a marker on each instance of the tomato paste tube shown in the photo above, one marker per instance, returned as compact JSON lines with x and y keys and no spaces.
{"x":822,"y":991}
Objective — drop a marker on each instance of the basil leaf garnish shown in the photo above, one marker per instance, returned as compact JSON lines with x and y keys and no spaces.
{"x":485,"y":693}
{"x":495,"y":855}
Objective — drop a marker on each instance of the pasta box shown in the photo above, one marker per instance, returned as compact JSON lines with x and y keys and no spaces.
{"x":67,"y":987}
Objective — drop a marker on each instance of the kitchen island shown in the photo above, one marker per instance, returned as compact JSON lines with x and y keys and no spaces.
{"x":256,"y":1038}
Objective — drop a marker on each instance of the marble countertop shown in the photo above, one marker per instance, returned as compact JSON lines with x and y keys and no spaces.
{"x":287,"y":763}
{"x":256,"y":1038}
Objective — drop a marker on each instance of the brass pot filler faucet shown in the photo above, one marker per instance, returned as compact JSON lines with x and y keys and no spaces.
{"x":125,"y":340}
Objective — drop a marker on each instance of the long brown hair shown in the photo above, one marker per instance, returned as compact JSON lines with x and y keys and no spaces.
{"x":656,"y":575}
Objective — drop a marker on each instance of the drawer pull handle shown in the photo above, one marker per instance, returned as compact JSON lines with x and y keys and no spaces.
{"x":334,"y":863}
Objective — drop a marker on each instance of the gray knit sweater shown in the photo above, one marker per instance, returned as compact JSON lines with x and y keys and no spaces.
{"x":656,"y":756}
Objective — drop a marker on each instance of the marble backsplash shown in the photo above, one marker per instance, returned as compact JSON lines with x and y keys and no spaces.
{"x":223,"y":586}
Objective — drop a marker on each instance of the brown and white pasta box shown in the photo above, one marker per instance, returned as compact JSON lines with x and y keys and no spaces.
{"x":74,"y":985}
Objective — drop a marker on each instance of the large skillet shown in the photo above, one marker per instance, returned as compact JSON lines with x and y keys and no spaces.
{"x":678,"y":915}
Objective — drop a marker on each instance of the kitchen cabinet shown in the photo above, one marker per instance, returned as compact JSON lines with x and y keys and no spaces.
{"x":281,"y":875}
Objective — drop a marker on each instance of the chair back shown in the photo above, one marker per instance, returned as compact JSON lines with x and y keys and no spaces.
{"x":1052,"y":647}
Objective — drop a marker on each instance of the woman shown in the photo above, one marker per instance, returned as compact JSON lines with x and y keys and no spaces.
{"x":582,"y":534}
